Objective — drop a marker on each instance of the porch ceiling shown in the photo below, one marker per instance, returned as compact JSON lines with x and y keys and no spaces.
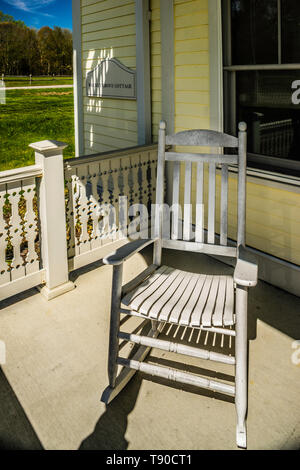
{"x":56,"y":365}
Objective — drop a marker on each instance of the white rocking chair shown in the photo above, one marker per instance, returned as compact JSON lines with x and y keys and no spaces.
{"x":163,"y":294}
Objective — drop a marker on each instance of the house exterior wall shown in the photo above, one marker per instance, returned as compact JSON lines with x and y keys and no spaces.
{"x":108,"y":29}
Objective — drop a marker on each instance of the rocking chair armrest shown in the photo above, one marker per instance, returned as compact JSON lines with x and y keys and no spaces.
{"x":125,"y":252}
{"x":246,"y":269}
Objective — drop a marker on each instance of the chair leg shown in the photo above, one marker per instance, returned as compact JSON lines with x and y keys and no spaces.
{"x":114,"y":324}
{"x":241,"y":371}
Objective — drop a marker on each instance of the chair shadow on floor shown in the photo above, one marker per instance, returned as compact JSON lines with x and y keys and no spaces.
{"x":266,"y":303}
{"x":110,"y":430}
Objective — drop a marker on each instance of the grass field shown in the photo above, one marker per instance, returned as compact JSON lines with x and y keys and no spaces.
{"x":25,"y":81}
{"x":31,"y":116}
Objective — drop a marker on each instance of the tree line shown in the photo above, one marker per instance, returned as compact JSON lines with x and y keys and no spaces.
{"x":25,"y":51}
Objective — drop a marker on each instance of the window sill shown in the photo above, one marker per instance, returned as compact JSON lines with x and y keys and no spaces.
{"x":272,"y":179}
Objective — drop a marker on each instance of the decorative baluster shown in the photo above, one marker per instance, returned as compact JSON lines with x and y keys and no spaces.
{"x":4,"y":269}
{"x":70,"y":211}
{"x":115,"y":168}
{"x":83,"y":208}
{"x":17,"y":264}
{"x":94,"y":170}
{"x":123,"y":203}
{"x":104,"y":207}
{"x":30,"y":226}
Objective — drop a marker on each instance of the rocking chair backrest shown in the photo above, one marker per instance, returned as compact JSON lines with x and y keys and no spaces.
{"x":181,"y":230}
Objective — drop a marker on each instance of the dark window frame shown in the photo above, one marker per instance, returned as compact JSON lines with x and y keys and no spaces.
{"x":264,"y":162}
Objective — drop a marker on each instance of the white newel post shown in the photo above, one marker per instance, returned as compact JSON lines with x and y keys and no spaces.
{"x":49,"y":155}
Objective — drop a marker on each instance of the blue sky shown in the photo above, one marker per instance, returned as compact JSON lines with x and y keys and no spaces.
{"x":38,"y":13}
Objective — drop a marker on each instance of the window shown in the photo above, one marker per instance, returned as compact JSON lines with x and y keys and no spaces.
{"x":261,"y":53}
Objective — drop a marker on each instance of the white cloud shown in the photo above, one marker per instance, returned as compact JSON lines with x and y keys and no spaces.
{"x":32,"y":6}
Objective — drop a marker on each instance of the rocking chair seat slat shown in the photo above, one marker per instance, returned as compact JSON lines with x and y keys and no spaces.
{"x":185,"y":298}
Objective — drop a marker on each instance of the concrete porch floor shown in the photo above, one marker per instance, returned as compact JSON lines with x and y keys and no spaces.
{"x":56,"y":367}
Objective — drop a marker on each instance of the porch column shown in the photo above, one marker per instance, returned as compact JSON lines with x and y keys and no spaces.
{"x":142,"y":14}
{"x":52,"y":213}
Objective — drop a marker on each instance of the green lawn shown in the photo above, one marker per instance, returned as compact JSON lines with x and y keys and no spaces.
{"x":25,"y":81}
{"x":31,"y":116}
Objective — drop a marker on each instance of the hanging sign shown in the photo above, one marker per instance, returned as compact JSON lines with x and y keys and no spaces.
{"x":111,"y":79}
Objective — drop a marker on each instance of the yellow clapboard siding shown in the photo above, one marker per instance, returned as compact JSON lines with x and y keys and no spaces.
{"x":116,"y":32}
{"x":108,"y":30}
{"x":108,"y":131}
{"x":195,"y":84}
{"x":109,"y":141}
{"x":192,"y":58}
{"x":103,"y":6}
{"x":90,"y":64}
{"x":192,"y":45}
{"x":109,"y":43}
{"x":155,"y":39}
{"x":192,"y":71}
{"x":100,"y":54}
{"x":183,"y":34}
{"x":192,"y":97}
{"x":192,"y":110}
{"x":120,"y":124}
{"x":94,"y":147}
{"x":98,"y":17}
{"x":99,"y":104}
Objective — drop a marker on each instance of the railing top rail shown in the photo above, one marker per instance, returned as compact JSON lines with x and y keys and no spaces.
{"x":70,"y":162}
{"x":18,"y":174}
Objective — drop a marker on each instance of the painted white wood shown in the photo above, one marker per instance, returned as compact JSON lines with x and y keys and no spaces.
{"x":241,"y":235}
{"x":217,"y":319}
{"x":156,"y":279}
{"x":202,"y":158}
{"x":241,"y":369}
{"x":18,"y":174}
{"x":224,"y":205}
{"x":77,"y":76}
{"x":23,"y":284}
{"x":177,"y":348}
{"x":198,"y":310}
{"x":199,"y":235}
{"x":177,"y":376}
{"x":147,"y":302}
{"x":187,"y":217}
{"x":228,"y":318}
{"x":4,"y":268}
{"x":175,"y":230}
{"x":194,"y":294}
{"x":49,"y":156}
{"x":30,"y":226}
{"x":211,"y":204}
{"x":17,"y":264}
{"x":246,"y":270}
{"x":126,"y":374}
{"x":134,"y":283}
{"x":143,"y":71}
{"x":206,"y":319}
{"x":168,"y":299}
{"x":202,"y":138}
{"x":215,"y":65}
{"x":200,"y":248}
{"x":173,"y":308}
{"x":126,"y":251}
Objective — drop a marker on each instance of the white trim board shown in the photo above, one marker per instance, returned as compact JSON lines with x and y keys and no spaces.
{"x":77,"y":73}
{"x":215,"y":65}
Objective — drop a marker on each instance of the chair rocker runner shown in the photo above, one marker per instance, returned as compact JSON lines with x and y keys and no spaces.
{"x":164,"y":294}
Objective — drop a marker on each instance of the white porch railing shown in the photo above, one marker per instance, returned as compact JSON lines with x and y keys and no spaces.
{"x":96,"y":183}
{"x":19,"y":233}
{"x":51,"y":213}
